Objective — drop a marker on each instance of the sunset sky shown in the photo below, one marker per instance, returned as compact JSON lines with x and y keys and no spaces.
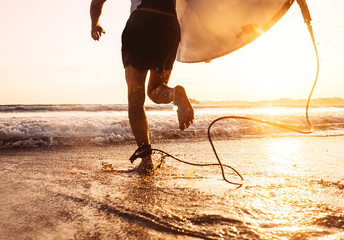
{"x":47,"y":56}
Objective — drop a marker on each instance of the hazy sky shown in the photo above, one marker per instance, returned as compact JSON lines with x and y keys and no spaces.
{"x":47,"y":56}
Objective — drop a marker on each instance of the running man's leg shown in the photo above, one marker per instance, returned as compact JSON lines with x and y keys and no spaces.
{"x":159,"y":92}
{"x":136,"y":111}
{"x":136,"y":99}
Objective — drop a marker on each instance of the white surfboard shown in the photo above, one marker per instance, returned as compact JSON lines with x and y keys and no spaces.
{"x":213,"y":28}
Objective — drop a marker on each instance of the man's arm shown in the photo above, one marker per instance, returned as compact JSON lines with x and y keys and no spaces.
{"x":96,"y":11}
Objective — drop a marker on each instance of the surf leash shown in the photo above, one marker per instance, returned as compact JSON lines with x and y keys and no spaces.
{"x":307,"y":19}
{"x":146,"y":150}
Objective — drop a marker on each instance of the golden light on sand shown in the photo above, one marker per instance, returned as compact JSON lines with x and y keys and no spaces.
{"x":107,"y":167}
{"x":283,"y":152}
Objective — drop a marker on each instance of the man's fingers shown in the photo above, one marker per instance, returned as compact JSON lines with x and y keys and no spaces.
{"x":96,"y":34}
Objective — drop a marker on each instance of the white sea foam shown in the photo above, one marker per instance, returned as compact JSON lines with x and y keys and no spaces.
{"x":106,"y":124}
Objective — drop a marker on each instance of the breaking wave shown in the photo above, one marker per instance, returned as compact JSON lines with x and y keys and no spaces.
{"x":59,"y":125}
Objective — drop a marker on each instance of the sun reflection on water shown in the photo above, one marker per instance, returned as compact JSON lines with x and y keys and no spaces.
{"x":284,"y":154}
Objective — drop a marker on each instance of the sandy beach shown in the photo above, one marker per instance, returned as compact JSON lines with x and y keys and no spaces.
{"x":293,"y":188}
{"x":64,"y":193}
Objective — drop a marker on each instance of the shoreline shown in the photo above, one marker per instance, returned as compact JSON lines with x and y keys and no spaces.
{"x":123,"y":107}
{"x":63,"y":192}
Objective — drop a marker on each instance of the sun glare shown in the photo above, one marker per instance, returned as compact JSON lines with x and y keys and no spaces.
{"x":283,"y":154}
{"x":279,"y":67}
{"x":280,"y":63}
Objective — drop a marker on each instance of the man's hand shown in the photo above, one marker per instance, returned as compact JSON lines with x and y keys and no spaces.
{"x":96,"y":32}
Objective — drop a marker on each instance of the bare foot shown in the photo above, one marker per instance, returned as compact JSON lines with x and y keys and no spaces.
{"x":185,"y":110}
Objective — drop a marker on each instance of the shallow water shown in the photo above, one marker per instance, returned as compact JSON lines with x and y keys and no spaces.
{"x":293,"y":189}
{"x":293,"y":184}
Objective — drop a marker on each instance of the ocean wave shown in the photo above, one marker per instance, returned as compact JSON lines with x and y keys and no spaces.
{"x":77,"y":107}
{"x":149,"y":107}
{"x":35,"y":130}
{"x":63,"y":108}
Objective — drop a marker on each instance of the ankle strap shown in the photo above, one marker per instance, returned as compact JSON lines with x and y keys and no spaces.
{"x":141,"y":152}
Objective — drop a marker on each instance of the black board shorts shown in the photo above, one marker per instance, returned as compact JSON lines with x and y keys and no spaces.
{"x":150,"y":41}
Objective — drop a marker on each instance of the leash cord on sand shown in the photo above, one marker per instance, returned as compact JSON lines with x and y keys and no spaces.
{"x":307,"y":19}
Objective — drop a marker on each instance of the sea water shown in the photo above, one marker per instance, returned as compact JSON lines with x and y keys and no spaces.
{"x":60,"y":125}
{"x":293,"y":185}
{"x":293,"y":188}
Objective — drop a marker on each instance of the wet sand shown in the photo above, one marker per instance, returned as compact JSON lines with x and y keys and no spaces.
{"x":64,"y":193}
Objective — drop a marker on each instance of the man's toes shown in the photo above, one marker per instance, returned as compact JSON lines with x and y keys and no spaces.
{"x":190,"y":122}
{"x":185,"y":125}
